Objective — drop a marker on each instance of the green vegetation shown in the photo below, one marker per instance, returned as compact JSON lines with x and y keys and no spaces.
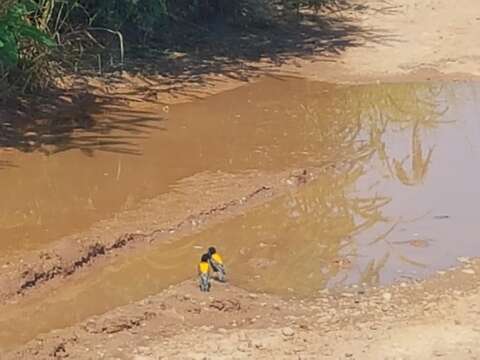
{"x":23,"y":42}
{"x":38,"y":38}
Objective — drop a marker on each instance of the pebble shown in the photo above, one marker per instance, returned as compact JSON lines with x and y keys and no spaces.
{"x":253,"y":296}
{"x":243,"y":347}
{"x":299,"y":349}
{"x":468,"y":271}
{"x":259,"y":344}
{"x":430,"y":306}
{"x":288,"y":331}
{"x":387,"y":296}
{"x":143,"y":350}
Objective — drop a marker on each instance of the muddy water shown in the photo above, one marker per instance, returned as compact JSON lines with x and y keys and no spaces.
{"x":402,"y":205}
{"x":133,"y":154}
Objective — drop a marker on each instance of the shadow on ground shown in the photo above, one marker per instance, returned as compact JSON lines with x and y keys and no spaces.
{"x":195,"y":56}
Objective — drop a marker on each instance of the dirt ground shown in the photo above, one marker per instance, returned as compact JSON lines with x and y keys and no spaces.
{"x":410,"y":40}
{"x":403,"y":40}
{"x":437,"y":318}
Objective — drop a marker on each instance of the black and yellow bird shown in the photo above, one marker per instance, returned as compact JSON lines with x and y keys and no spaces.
{"x":216,"y":262}
{"x":204,"y":273}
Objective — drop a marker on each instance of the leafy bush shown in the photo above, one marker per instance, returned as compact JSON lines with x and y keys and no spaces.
{"x":136,"y":17}
{"x":16,"y":32}
{"x":25,"y":26}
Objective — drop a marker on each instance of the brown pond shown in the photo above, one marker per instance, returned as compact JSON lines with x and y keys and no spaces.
{"x":138,"y":153}
{"x":402,"y":206}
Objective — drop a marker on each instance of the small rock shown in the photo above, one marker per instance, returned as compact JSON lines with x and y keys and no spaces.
{"x":463,"y":259}
{"x":144,"y":350}
{"x":299,"y":349}
{"x":430,"y":306}
{"x":259,"y":344}
{"x":468,"y":271}
{"x":288,"y":332}
{"x":243,"y":347}
{"x":387,"y":296}
{"x":253,"y":296}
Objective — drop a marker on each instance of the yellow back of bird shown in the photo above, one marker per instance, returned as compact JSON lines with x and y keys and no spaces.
{"x":217,"y":258}
{"x":203,"y":268}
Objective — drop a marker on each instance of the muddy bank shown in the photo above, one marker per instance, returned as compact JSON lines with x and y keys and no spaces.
{"x":356,"y":323}
{"x":190,"y":210}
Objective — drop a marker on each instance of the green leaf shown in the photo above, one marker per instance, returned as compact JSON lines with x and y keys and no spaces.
{"x":31,"y":32}
{"x":30,"y":6}
{"x":9,"y":50}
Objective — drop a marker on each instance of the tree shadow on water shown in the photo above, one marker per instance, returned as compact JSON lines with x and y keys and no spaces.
{"x":65,"y":121}
{"x":4,"y":164}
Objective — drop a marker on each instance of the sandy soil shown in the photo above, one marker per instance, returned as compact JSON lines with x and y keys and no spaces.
{"x":409,"y":40}
{"x":418,"y":320}
{"x":403,"y":40}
